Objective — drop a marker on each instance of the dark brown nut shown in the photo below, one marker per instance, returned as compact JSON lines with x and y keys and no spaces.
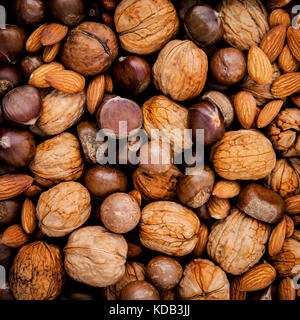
{"x":284,"y":132}
{"x":95,"y":256}
{"x":205,"y":115}
{"x":29,"y":63}
{"x":202,"y":280}
{"x":168,"y":227}
{"x":6,"y":253}
{"x":195,"y":189}
{"x":116,"y":113}
{"x":29,"y":13}
{"x":203,"y":25}
{"x":90,"y":48}
{"x":120,"y":212}
{"x":131,"y":75}
{"x":9,"y":212}
{"x":134,"y":250}
{"x":37,"y":272}
{"x":145,"y":26}
{"x":139,"y":290}
{"x":157,"y":187}
{"x":261,"y":203}
{"x":10,"y":77}
{"x":164,"y":272}
{"x":184,"y":5}
{"x":180,"y":70}
{"x":102,"y":181}
{"x":17,"y":147}
{"x":69,"y":12}
{"x":244,"y":239}
{"x":57,"y":159}
{"x":22,"y":105}
{"x":228,"y":66}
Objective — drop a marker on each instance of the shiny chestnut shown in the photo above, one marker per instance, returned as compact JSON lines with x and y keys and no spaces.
{"x":9,"y":212}
{"x":184,"y":5}
{"x":10,"y":77}
{"x":139,"y":290}
{"x":29,"y":63}
{"x":29,"y":13}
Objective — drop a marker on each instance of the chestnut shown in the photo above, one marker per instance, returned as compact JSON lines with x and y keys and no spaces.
{"x":29,"y":63}
{"x":69,"y":12}
{"x":131,"y":74}
{"x":119,"y":117}
{"x":9,"y":213}
{"x":228,"y":66}
{"x":203,"y":25}
{"x":29,"y":13}
{"x":10,"y":77}
{"x":205,"y":115}
{"x":22,"y":105}
{"x":103,"y":180}
{"x":139,"y":290}
{"x":17,"y":147}
{"x":12,"y":43}
{"x":6,"y":255}
{"x":184,"y":5}
{"x":164,"y":272}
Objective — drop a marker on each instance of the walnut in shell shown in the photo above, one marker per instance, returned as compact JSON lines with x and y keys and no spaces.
{"x":180,"y":70}
{"x":37,"y":272}
{"x":203,"y":280}
{"x":57,"y":159}
{"x":169,"y":227}
{"x":63,"y":208}
{"x":237,"y":242}
{"x":95,"y":256}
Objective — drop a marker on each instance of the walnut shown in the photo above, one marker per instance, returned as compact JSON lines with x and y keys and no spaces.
{"x":60,"y":111}
{"x":171,"y":119}
{"x":169,"y":227}
{"x":244,"y":22}
{"x":237,"y":242}
{"x":57,"y":159}
{"x":180,"y":70}
{"x":145,"y":26}
{"x":63,"y":208}
{"x":157,"y":187}
{"x":202,"y":280}
{"x":284,"y":178}
{"x":284,"y":132}
{"x":243,"y":155}
{"x":37,"y":272}
{"x":95,"y":256}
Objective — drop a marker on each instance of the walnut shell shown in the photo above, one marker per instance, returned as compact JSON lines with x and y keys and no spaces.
{"x":244,"y":22}
{"x":180,"y":70}
{"x":145,"y":26}
{"x":171,"y":119}
{"x":243,"y":155}
{"x":237,"y":242}
{"x":63,"y":208}
{"x":57,"y":159}
{"x":169,"y":227}
{"x":95,"y":256}
{"x":203,"y":280}
{"x":37,"y":272}
{"x":60,"y":111}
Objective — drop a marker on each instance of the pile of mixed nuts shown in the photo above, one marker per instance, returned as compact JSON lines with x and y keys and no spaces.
{"x":80,"y":76}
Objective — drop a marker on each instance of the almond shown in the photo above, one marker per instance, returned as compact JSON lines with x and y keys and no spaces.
{"x":273,"y":42}
{"x":258,"y":277}
{"x":289,"y":226}
{"x":226,"y":189}
{"x":28,"y":219}
{"x":279,"y":16}
{"x":33,"y":43}
{"x":293,"y":40}
{"x":296,"y":100}
{"x":14,"y":236}
{"x":272,"y":4}
{"x":269,"y":113}
{"x":202,"y":240}
{"x":286,"y":290}
{"x":33,"y":191}
{"x":37,"y":77}
{"x":259,"y":66}
{"x":13,"y":184}
{"x":66,"y":81}
{"x":95,"y":93}
{"x":53,"y":33}
{"x":292,"y":204}
{"x":109,"y":87}
{"x":50,"y":52}
{"x":287,"y":62}
{"x":286,"y":85}
{"x":218,"y":208}
{"x":235,"y":289}
{"x":245,"y":108}
{"x":277,"y":238}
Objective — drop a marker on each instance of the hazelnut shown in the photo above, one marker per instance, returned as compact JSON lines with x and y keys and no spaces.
{"x":139,"y":290}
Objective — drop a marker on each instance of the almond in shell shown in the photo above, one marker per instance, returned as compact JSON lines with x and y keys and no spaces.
{"x":14,"y":236}
{"x":269,"y":113}
{"x":245,"y":108}
{"x":286,"y":85}
{"x":293,"y":40}
{"x":95,"y":93}
{"x":13,"y":184}
{"x":33,"y":43}
{"x":53,"y":33}
{"x":292,"y":204}
{"x":279,"y":16}
{"x":290,"y":227}
{"x":226,"y":189}
{"x":28,"y":219}
{"x":277,"y":238}
{"x":287,"y":62}
{"x":37,"y":78}
{"x":50,"y":52}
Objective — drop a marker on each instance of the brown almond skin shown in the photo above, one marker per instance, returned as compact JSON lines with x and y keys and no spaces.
{"x":9,"y":212}
{"x":11,"y":185}
{"x":261,"y":203}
